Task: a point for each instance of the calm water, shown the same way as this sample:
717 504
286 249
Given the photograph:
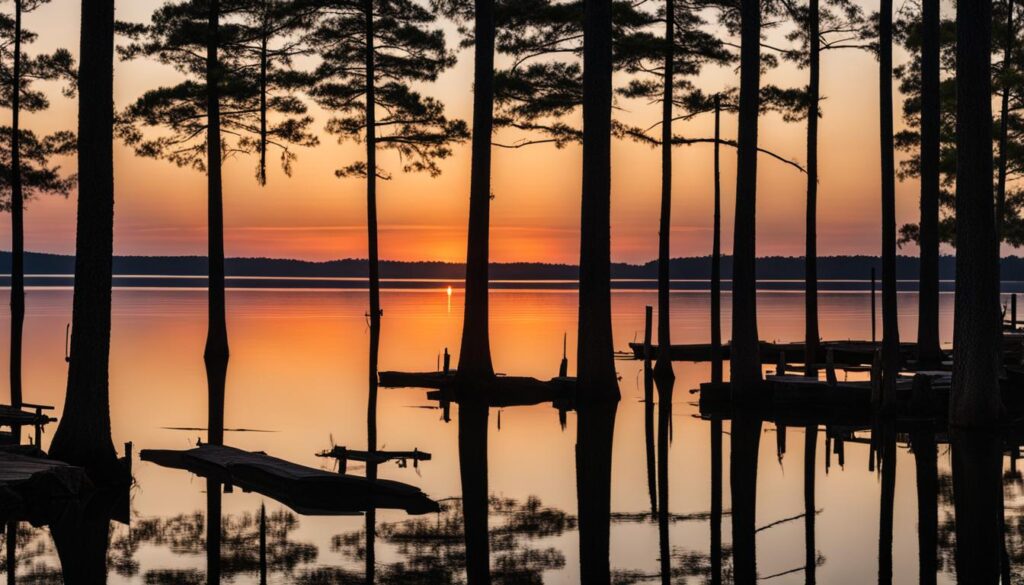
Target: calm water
297 384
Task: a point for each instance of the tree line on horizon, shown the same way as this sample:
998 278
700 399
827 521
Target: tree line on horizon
250 69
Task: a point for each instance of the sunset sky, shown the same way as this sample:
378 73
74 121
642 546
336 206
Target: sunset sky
161 209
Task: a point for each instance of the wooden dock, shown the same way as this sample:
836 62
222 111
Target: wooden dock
27 415
344 455
30 484
306 490
502 392
849 352
799 400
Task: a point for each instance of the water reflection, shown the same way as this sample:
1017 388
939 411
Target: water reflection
670 512
743 458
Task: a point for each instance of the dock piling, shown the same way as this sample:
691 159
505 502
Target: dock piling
830 367
447 361
1013 311
874 325
648 320
563 368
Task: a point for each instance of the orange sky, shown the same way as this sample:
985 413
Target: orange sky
160 209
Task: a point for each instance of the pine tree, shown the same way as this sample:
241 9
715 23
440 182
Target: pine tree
233 84
836 25
26 165
652 61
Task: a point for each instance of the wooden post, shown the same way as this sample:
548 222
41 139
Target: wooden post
874 319
876 378
563 368
1013 311
828 450
780 366
648 319
447 361
342 455
840 451
39 428
830 367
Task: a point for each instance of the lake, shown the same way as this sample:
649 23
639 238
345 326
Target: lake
296 385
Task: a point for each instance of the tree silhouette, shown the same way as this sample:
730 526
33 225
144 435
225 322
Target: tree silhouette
837 25
371 51
1009 77
745 358
1006 76
26 167
545 83
237 57
269 44
974 399
475 353
928 350
890 325
83 435
684 48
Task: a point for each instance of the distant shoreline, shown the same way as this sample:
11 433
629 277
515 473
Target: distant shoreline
836 273
768 268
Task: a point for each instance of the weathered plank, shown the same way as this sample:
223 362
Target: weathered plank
306 490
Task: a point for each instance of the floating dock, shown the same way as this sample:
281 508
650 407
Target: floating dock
27 415
30 484
304 489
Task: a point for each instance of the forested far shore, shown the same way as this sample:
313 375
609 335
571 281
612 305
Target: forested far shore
768 268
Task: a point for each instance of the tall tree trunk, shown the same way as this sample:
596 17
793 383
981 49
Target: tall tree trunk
475 355
17 221
746 441
890 325
974 398
83 436
473 430
810 509
664 366
925 461
1004 120
371 176
217 333
928 350
745 355
595 358
811 334
716 258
